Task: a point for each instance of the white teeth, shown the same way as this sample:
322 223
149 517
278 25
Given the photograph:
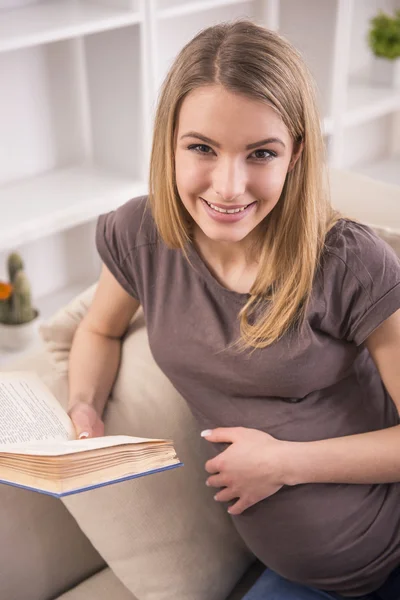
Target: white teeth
230 211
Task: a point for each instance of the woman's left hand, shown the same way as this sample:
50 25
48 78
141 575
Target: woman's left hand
250 469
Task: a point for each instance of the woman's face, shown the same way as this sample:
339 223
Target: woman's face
231 154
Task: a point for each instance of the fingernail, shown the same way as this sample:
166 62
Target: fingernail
83 435
206 432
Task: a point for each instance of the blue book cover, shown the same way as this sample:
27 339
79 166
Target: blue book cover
90 487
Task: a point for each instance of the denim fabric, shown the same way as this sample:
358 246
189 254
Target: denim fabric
271 586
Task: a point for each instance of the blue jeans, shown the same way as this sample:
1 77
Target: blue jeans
271 586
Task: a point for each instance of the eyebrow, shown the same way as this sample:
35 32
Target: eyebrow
271 140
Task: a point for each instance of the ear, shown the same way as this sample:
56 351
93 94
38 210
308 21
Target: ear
297 150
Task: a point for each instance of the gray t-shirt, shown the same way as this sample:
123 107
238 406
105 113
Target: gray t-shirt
317 385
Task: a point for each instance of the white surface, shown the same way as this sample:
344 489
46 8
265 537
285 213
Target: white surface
113 74
366 199
8 4
61 447
367 142
271 11
367 102
51 20
340 69
327 126
59 200
387 170
42 110
194 7
47 306
314 39
18 337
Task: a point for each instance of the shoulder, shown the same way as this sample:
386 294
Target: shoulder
359 275
128 227
355 247
123 237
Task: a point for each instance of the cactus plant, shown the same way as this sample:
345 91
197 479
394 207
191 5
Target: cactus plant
15 301
14 264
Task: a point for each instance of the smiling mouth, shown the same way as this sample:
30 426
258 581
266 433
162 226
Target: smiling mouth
229 211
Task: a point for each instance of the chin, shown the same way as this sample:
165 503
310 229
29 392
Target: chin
218 235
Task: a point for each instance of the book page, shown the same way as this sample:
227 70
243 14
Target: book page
29 411
58 448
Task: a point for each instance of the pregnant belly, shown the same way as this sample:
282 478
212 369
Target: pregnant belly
329 536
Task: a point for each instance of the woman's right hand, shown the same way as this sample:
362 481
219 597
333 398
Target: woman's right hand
86 420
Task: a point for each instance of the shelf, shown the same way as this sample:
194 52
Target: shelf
195 7
387 170
53 21
59 200
367 102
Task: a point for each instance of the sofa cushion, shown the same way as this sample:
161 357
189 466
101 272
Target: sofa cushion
373 202
58 331
105 585
102 586
166 524
391 236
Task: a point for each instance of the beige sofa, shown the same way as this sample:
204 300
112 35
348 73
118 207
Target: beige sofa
161 537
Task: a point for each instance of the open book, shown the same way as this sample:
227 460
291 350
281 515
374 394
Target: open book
38 449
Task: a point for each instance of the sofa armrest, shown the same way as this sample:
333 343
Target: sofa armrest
43 552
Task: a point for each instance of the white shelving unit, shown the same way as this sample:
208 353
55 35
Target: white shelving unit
80 79
54 21
75 118
68 197
366 123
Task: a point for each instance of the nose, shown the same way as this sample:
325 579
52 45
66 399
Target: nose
229 179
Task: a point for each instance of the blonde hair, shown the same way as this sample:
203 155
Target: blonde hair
248 59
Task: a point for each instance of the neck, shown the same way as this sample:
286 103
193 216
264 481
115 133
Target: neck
226 256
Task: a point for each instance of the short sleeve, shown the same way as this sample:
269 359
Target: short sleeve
117 238
361 282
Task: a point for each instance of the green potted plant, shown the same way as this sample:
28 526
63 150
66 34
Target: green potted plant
18 318
384 41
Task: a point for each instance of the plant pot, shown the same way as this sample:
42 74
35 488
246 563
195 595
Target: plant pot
19 337
385 72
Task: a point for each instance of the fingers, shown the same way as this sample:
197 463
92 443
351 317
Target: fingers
98 429
211 466
225 495
238 507
86 421
216 481
221 434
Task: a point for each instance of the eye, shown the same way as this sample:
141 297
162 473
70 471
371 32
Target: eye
265 155
200 148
